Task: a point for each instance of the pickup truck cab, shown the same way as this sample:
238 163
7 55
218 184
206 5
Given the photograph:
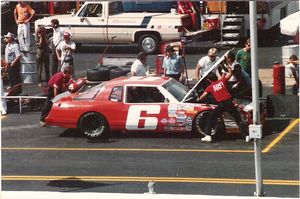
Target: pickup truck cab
106 22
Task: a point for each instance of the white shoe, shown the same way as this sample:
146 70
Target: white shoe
43 124
247 138
207 138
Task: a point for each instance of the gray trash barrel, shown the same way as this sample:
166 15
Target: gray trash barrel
28 68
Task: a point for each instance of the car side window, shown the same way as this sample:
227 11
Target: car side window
116 94
136 94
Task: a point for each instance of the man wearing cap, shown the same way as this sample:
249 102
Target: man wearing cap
138 66
12 58
57 84
65 51
58 36
173 64
205 63
23 13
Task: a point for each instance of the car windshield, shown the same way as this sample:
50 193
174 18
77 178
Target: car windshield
90 93
176 89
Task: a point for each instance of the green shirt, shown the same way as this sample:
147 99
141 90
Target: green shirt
244 58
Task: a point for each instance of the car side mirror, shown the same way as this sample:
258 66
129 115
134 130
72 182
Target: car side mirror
166 100
73 12
82 19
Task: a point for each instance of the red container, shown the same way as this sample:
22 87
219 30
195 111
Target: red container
213 23
159 63
76 85
278 79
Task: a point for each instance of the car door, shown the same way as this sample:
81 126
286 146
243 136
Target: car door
145 108
90 24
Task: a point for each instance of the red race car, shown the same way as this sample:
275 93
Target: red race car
155 104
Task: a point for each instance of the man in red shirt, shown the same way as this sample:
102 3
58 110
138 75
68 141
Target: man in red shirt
218 88
57 84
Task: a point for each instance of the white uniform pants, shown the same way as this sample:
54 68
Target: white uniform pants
3 106
24 36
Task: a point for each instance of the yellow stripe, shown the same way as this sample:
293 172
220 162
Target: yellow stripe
147 179
281 135
127 149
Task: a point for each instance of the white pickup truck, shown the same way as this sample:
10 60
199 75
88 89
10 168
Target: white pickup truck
106 21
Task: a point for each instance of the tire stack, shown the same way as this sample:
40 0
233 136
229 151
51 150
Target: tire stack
105 72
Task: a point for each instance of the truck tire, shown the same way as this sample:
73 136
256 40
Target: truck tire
98 74
148 43
116 72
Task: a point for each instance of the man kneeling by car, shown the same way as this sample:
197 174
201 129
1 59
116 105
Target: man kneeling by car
218 88
57 84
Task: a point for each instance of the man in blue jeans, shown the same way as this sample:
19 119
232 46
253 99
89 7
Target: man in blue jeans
218 88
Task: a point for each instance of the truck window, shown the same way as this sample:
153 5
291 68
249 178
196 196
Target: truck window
116 8
91 10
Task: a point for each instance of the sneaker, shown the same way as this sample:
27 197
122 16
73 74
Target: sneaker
42 124
247 138
3 112
207 138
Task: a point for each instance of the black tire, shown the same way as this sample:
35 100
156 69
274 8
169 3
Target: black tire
116 72
148 43
98 74
94 125
200 122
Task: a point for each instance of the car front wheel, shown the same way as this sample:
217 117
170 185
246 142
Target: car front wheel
94 125
201 121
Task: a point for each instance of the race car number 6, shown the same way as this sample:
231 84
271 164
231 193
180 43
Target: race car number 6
134 117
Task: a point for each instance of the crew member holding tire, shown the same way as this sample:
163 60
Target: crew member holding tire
57 84
138 66
218 88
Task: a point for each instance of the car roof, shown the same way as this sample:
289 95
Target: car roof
143 80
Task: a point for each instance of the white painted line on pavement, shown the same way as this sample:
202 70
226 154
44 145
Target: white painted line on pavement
89 195
15 128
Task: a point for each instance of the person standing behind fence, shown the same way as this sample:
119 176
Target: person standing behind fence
23 13
58 36
173 65
12 59
65 51
42 54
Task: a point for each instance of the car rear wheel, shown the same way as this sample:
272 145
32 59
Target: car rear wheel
94 125
148 43
201 121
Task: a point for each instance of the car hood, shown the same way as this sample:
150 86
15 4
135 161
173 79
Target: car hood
195 88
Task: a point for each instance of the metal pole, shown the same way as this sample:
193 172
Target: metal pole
255 96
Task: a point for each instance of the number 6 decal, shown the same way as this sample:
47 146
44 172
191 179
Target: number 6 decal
135 120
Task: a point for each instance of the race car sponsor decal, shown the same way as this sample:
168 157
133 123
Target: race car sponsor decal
172 110
189 119
136 119
171 120
164 120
